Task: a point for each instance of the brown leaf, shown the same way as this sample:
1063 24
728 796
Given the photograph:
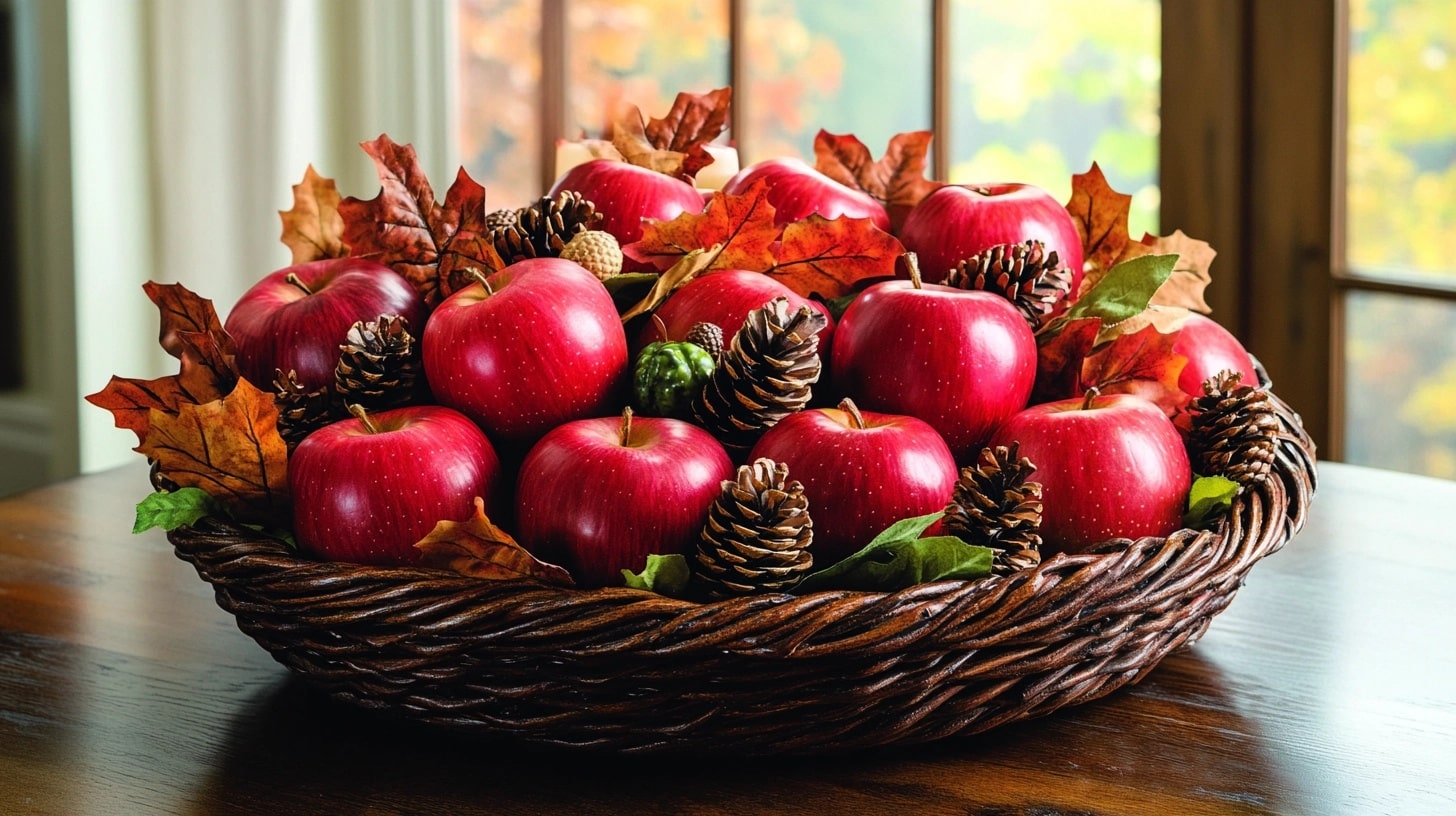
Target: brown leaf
897 179
828 257
693 122
1141 362
184 311
1185 287
629 137
1166 319
741 225
1100 214
229 448
403 227
478 549
691 265
313 229
1061 350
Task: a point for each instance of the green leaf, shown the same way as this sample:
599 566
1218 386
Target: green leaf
665 574
836 306
897 559
1125 291
1210 497
179 508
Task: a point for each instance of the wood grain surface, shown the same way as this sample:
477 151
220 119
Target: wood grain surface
1329 687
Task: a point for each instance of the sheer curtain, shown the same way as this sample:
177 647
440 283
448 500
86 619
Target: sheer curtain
191 119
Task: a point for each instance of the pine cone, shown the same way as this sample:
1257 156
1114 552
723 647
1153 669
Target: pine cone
757 536
379 364
764 375
300 411
542 229
994 506
1025 274
1234 430
498 219
597 251
709 336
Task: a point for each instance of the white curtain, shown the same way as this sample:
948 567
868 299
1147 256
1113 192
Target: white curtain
191 119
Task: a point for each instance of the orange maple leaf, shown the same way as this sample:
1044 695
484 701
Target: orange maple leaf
1100 214
403 227
897 179
1141 362
829 256
693 122
313 228
479 549
741 226
229 448
1061 351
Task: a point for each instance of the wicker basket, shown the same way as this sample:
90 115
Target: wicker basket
627 671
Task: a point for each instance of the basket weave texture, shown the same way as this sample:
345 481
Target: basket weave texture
620 670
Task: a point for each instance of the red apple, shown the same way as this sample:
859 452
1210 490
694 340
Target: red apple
725 299
959 220
599 495
1110 466
625 194
963 361
1210 349
798 191
541 346
366 489
295 318
861 471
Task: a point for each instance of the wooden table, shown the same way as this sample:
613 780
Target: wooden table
1327 688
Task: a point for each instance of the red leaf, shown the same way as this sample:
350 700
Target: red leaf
694 121
1060 355
828 257
1100 214
741 225
312 229
1141 362
184 311
479 549
897 180
404 228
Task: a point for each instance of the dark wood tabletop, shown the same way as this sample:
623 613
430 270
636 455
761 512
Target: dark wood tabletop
1328 687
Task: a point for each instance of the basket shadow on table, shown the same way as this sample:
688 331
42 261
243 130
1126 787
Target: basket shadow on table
1175 741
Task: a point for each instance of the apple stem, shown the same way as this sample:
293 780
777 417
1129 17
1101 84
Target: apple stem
480 279
626 433
1087 398
856 419
358 411
912 263
661 327
293 279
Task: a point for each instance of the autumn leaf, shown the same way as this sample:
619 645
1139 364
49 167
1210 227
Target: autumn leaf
1061 350
313 229
741 225
183 310
687 268
229 448
1185 287
434 247
478 549
1100 214
1166 319
693 122
896 180
629 137
1141 362
829 256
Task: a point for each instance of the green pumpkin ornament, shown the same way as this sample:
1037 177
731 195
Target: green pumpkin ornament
668 374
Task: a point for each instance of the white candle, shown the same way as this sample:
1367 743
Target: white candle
570 154
724 167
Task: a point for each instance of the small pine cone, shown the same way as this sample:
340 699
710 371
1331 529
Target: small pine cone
764 375
1025 274
597 251
1234 430
498 219
757 535
542 229
709 336
379 364
994 506
300 411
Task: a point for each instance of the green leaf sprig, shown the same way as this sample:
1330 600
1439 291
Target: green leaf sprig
665 574
899 558
1209 498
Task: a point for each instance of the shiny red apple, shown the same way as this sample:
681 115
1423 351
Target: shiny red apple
862 471
1110 466
797 191
625 194
959 220
537 344
963 361
599 495
295 318
366 489
1210 349
725 298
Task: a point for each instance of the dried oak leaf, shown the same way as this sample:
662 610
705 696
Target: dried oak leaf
435 247
182 311
693 122
1141 362
828 257
313 228
741 226
1100 214
1185 287
896 180
478 549
1061 351
229 448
